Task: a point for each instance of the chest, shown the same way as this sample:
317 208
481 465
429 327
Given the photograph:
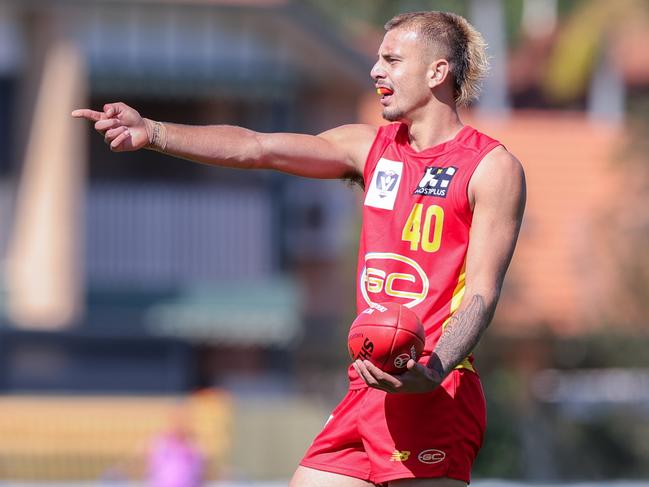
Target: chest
398 181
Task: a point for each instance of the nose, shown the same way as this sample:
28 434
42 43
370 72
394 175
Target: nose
377 71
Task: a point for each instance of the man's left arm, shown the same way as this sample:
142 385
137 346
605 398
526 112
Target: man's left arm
497 193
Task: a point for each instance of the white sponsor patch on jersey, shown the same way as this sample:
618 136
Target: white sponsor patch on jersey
384 186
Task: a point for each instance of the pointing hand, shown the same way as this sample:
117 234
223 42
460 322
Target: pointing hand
122 127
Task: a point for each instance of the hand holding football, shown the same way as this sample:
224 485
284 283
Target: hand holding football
388 335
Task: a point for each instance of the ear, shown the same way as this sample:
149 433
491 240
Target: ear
437 73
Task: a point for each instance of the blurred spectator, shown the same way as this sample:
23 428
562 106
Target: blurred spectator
174 459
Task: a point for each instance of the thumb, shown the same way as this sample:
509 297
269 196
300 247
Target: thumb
111 109
415 367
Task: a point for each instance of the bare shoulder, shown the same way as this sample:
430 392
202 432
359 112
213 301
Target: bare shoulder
354 139
499 175
499 163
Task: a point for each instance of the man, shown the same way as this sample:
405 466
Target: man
442 211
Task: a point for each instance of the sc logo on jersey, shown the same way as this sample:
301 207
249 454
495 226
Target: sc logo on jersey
436 181
409 283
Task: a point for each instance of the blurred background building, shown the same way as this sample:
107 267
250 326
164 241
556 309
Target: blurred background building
130 282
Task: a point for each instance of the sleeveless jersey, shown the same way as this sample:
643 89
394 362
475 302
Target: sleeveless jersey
416 223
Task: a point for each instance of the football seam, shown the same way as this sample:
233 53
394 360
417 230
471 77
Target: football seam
413 334
394 337
379 324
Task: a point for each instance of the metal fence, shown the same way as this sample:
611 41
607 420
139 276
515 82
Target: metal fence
170 234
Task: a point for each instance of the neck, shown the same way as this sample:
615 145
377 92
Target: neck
434 127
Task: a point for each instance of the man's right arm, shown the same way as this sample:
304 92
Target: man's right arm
336 153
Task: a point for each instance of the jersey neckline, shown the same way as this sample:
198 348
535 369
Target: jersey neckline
436 150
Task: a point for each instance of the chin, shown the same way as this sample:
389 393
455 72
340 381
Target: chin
392 115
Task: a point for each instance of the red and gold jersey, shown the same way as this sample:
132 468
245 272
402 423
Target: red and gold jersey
416 223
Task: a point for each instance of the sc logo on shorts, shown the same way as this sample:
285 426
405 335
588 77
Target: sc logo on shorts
431 456
409 283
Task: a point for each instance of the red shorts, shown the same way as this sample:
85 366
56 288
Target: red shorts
380 437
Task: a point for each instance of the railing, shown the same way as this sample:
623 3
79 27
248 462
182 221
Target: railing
171 234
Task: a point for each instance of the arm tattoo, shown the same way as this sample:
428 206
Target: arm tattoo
158 137
460 335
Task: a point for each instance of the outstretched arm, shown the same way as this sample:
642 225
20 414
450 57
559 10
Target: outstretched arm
497 190
337 153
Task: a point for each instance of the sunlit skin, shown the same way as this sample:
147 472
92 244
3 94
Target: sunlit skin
416 88
415 84
422 87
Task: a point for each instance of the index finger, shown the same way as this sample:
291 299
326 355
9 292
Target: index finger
365 374
87 114
381 375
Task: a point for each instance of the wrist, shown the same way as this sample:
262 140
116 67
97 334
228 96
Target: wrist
435 364
157 135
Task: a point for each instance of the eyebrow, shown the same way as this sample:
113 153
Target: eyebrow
388 54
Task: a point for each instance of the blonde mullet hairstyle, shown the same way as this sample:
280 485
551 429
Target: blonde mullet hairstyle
462 45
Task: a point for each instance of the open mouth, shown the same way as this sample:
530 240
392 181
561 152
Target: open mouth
385 93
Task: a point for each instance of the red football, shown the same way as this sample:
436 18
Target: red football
388 335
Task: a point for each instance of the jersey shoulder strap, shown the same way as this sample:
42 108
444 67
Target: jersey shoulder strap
384 137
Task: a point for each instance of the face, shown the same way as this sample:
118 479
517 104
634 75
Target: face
403 68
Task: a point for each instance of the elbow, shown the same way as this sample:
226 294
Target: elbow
491 302
258 154
253 157
242 149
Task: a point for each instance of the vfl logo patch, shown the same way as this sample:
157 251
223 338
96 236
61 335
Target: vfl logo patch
383 189
385 182
436 181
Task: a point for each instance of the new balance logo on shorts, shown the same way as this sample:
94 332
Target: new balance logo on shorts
400 456
436 181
